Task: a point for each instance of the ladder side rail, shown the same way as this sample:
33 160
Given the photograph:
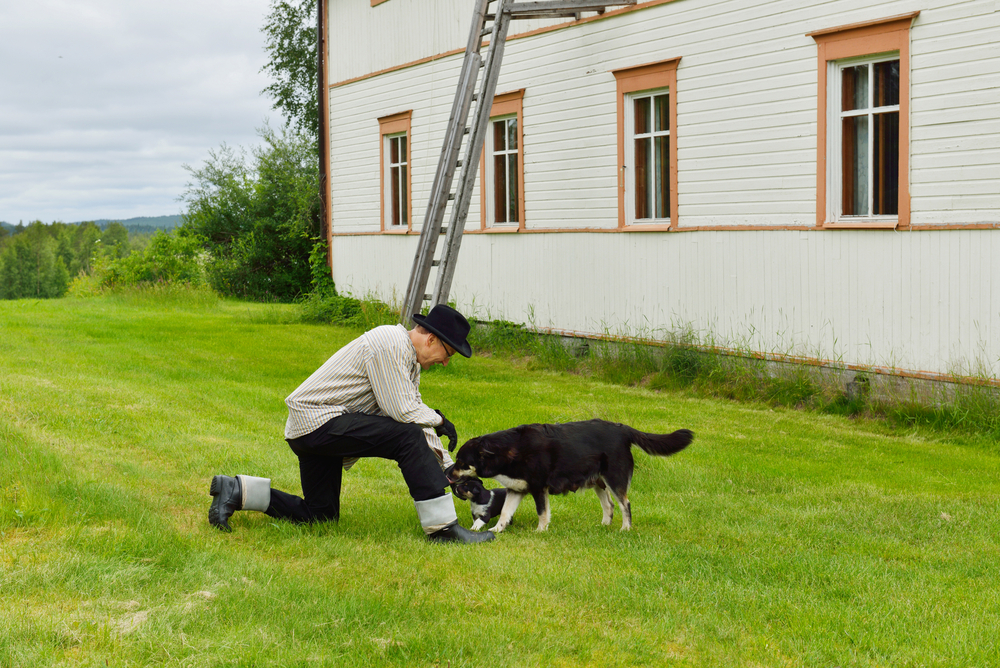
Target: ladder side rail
470 165
444 174
440 190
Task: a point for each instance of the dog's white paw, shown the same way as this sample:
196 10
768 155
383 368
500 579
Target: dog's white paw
478 525
500 526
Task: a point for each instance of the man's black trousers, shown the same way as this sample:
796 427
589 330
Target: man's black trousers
321 460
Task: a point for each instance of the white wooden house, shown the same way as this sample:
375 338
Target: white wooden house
814 178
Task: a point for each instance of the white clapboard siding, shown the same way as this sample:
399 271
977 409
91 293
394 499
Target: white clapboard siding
955 114
746 141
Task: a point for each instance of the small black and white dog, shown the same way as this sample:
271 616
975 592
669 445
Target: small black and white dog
485 503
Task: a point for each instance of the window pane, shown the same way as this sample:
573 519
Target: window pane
500 188
499 135
662 177
885 182
402 148
512 134
512 182
394 203
662 116
642 115
887 83
393 150
402 196
643 185
855 173
855 88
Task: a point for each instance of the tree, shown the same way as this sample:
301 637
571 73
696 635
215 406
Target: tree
31 266
290 29
114 238
259 215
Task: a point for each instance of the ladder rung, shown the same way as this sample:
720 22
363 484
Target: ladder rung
458 163
435 263
466 130
485 32
428 296
451 197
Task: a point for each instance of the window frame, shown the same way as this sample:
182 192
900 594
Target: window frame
631 139
837 115
631 83
390 127
507 105
882 39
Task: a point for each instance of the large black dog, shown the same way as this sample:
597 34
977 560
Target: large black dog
543 459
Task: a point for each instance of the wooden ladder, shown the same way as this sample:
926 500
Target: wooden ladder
483 71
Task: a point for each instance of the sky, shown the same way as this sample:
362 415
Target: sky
103 102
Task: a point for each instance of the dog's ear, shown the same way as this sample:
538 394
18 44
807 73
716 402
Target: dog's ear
511 453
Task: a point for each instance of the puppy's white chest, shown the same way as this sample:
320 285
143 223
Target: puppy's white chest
512 483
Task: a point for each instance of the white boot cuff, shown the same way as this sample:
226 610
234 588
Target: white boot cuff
256 492
436 514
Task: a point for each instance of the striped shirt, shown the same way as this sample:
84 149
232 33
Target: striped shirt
376 374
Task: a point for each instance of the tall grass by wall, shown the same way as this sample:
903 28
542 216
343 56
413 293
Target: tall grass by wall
688 361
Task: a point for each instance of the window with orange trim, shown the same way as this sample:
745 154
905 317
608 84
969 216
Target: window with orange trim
394 133
647 146
502 165
863 124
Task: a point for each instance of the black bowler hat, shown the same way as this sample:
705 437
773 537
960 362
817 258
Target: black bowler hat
449 325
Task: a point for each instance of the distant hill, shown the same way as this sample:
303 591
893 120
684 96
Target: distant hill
140 224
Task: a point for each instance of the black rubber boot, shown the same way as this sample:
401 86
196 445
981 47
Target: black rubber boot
228 498
455 533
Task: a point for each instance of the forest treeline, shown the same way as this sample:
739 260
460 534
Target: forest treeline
39 260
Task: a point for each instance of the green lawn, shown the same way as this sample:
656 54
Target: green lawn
778 538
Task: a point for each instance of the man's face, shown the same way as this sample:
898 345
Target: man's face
435 351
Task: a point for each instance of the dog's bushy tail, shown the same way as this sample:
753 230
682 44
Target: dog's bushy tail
662 444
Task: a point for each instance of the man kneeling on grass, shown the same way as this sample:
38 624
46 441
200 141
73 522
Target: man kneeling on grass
365 402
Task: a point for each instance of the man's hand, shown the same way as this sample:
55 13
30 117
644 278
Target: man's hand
446 428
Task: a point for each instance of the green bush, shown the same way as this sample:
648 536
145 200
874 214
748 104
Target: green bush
259 217
328 307
167 258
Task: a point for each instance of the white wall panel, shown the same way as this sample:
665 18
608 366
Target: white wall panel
918 301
